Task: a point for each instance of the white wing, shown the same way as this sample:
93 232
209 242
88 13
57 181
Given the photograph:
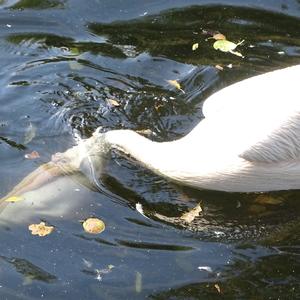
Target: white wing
259 117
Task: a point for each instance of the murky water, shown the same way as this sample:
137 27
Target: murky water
61 64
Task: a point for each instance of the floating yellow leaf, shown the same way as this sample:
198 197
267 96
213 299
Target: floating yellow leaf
40 229
113 102
217 287
93 225
14 199
192 214
227 46
219 36
176 84
195 46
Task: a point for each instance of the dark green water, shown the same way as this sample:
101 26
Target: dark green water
60 62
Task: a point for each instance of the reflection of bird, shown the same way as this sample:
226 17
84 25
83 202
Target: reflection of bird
248 141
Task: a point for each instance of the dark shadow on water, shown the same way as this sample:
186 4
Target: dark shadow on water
172 34
28 270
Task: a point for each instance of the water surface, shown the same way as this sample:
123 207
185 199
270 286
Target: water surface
61 62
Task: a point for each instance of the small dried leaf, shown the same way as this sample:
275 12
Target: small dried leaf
192 214
176 85
40 229
217 287
219 67
219 36
157 106
14 199
195 46
113 102
93 225
32 155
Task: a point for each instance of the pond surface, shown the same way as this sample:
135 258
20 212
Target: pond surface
62 62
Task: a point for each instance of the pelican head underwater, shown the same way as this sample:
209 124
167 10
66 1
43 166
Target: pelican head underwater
248 141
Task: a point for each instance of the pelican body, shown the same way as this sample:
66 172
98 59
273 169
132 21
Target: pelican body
248 141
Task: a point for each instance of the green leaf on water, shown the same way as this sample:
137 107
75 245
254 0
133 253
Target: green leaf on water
227 46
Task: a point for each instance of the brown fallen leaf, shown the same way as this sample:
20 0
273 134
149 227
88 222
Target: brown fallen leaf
93 225
40 229
192 214
32 155
113 102
176 84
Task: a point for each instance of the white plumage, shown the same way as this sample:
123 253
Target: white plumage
249 140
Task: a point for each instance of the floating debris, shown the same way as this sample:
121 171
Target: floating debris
40 229
113 102
192 214
32 155
176 84
195 46
93 225
227 46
